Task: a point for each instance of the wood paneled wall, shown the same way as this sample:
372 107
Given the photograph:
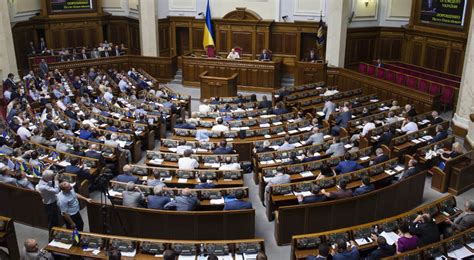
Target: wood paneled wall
430 50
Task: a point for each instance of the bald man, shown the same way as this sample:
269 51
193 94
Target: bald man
32 251
68 204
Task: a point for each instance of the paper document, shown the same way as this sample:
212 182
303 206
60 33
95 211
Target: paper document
319 113
114 193
277 123
391 237
399 168
281 133
294 131
363 241
460 253
265 125
156 161
249 256
64 164
306 174
217 201
129 254
60 245
267 136
365 158
187 257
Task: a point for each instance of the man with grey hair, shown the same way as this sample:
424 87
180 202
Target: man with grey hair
127 175
31 251
380 157
157 201
156 181
132 196
316 137
48 188
183 202
466 219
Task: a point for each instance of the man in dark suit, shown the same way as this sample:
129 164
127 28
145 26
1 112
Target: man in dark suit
411 170
50 124
383 249
365 187
279 110
141 83
127 176
410 110
311 57
265 103
436 119
204 183
93 153
158 200
386 137
266 55
183 124
347 165
42 45
238 203
74 168
315 197
10 83
341 121
425 229
183 202
441 134
341 193
381 157
223 148
323 253
83 55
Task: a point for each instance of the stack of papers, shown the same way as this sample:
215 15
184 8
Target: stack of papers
399 168
244 128
427 137
114 193
249 257
267 136
281 133
229 139
306 174
390 172
319 113
307 128
391 237
212 165
365 158
64 164
217 201
277 123
374 100
416 141
129 254
327 136
348 146
267 162
60 245
303 193
294 131
265 125
235 128
156 161
460 253
181 180
172 149
363 241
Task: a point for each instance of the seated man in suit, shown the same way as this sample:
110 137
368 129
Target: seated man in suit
341 193
386 137
158 200
336 148
347 165
286 144
342 253
410 110
411 170
223 148
435 118
310 156
342 120
383 248
204 183
441 134
238 203
280 109
323 253
465 220
233 55
180 123
315 196
311 57
183 202
266 55
380 157
132 196
85 132
76 169
315 138
279 178
127 175
94 153
425 229
141 83
265 103
365 187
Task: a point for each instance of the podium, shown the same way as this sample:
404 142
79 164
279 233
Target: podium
212 86
309 72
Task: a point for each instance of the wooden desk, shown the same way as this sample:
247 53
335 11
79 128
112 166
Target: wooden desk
310 72
8 238
213 86
253 75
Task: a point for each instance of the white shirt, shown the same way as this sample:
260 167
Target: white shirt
204 108
108 96
181 148
233 55
367 127
221 128
410 127
187 163
230 167
24 133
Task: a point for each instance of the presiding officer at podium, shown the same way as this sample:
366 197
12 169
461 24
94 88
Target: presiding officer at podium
312 57
233 55
266 55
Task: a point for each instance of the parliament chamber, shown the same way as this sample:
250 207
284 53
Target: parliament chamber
222 129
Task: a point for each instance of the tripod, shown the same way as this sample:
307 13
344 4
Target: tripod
104 210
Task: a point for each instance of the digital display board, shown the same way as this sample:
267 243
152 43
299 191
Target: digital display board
58 6
443 12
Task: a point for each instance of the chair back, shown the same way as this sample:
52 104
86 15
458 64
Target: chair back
210 52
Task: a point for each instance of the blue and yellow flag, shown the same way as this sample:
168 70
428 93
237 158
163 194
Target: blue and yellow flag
321 37
75 235
23 167
208 38
37 171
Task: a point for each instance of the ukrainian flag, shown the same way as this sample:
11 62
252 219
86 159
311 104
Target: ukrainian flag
208 38
75 235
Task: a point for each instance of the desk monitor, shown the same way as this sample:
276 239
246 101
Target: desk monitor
232 175
210 194
433 252
248 248
308 243
363 233
454 244
184 249
217 249
92 242
152 248
332 238
390 226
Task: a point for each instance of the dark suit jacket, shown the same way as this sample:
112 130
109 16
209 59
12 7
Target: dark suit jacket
237 204
343 119
313 198
386 138
280 111
380 159
185 126
436 120
363 189
381 252
81 173
341 194
205 186
265 104
223 150
409 172
127 178
267 56
157 202
412 112
439 136
96 155
427 233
